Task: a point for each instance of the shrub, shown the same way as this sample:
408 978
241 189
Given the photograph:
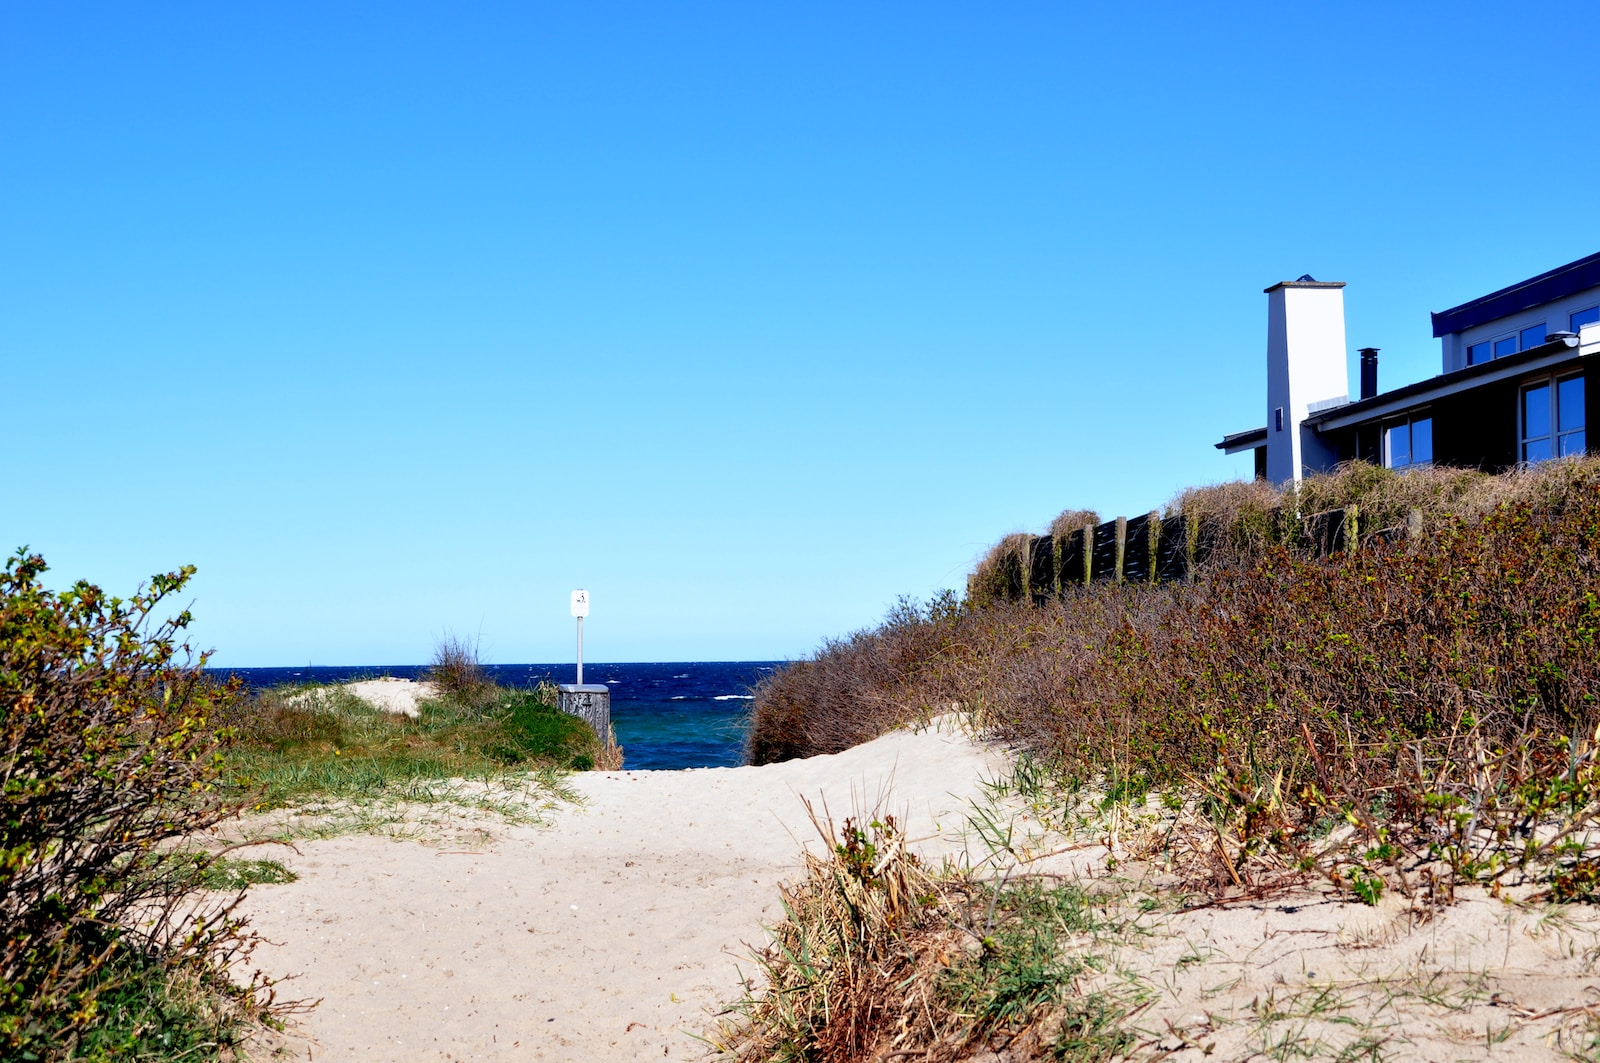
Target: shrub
457 671
1437 694
850 692
1002 574
109 757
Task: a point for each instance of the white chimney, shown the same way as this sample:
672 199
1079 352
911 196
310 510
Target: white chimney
1306 372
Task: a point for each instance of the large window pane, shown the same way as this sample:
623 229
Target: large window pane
1533 335
1536 450
1536 412
1478 352
1505 346
1572 443
1569 404
1584 317
1397 444
1421 440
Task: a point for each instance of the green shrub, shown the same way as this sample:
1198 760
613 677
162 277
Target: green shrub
109 754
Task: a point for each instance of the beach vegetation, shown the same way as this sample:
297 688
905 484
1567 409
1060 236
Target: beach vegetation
1414 713
301 744
112 754
879 956
457 671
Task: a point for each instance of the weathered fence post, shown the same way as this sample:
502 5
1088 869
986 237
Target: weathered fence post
1058 559
1153 541
1352 528
1414 524
1122 545
1088 554
1191 544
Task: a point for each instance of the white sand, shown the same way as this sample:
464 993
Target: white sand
613 935
619 931
387 693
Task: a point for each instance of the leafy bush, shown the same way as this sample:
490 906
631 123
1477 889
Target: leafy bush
109 756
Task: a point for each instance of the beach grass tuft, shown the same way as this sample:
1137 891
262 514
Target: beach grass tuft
879 956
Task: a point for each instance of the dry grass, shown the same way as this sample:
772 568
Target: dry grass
1002 574
879 957
1071 520
1410 715
457 671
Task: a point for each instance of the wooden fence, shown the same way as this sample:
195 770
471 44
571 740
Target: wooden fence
1152 549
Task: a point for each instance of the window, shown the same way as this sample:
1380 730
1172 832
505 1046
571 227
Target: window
1553 419
1584 317
1529 337
1409 442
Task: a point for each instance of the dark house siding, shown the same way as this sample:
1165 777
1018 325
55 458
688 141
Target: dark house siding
1473 429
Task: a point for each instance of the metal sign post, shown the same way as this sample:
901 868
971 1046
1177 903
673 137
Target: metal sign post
580 609
591 701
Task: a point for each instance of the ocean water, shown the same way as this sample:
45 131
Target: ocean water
667 716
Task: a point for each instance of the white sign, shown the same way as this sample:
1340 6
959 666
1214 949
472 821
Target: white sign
580 603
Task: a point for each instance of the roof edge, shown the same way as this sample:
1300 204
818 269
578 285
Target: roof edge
1547 287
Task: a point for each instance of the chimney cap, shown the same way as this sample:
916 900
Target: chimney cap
1368 350
1303 283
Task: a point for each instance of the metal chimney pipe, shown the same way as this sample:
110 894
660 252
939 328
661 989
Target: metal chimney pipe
1369 372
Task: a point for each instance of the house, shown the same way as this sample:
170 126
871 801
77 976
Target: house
1519 381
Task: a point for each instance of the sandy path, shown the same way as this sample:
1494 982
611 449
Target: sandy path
613 934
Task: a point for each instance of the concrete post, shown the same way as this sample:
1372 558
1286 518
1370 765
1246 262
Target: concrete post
592 702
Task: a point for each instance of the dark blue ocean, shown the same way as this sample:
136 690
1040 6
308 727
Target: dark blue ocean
688 715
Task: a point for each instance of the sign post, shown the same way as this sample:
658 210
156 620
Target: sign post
580 609
591 701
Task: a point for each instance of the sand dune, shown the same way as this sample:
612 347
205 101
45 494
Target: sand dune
615 933
619 930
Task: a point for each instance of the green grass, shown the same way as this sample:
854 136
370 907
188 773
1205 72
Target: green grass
296 745
1028 964
145 1012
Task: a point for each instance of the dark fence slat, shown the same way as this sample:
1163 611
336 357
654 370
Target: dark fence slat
1042 569
1136 550
1072 559
1172 549
1105 550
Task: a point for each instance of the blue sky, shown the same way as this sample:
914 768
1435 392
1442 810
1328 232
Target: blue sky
405 319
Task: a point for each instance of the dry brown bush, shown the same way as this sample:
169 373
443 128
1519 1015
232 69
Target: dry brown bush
1071 520
457 670
1456 673
1002 573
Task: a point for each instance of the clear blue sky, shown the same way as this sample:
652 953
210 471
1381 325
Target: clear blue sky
399 319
